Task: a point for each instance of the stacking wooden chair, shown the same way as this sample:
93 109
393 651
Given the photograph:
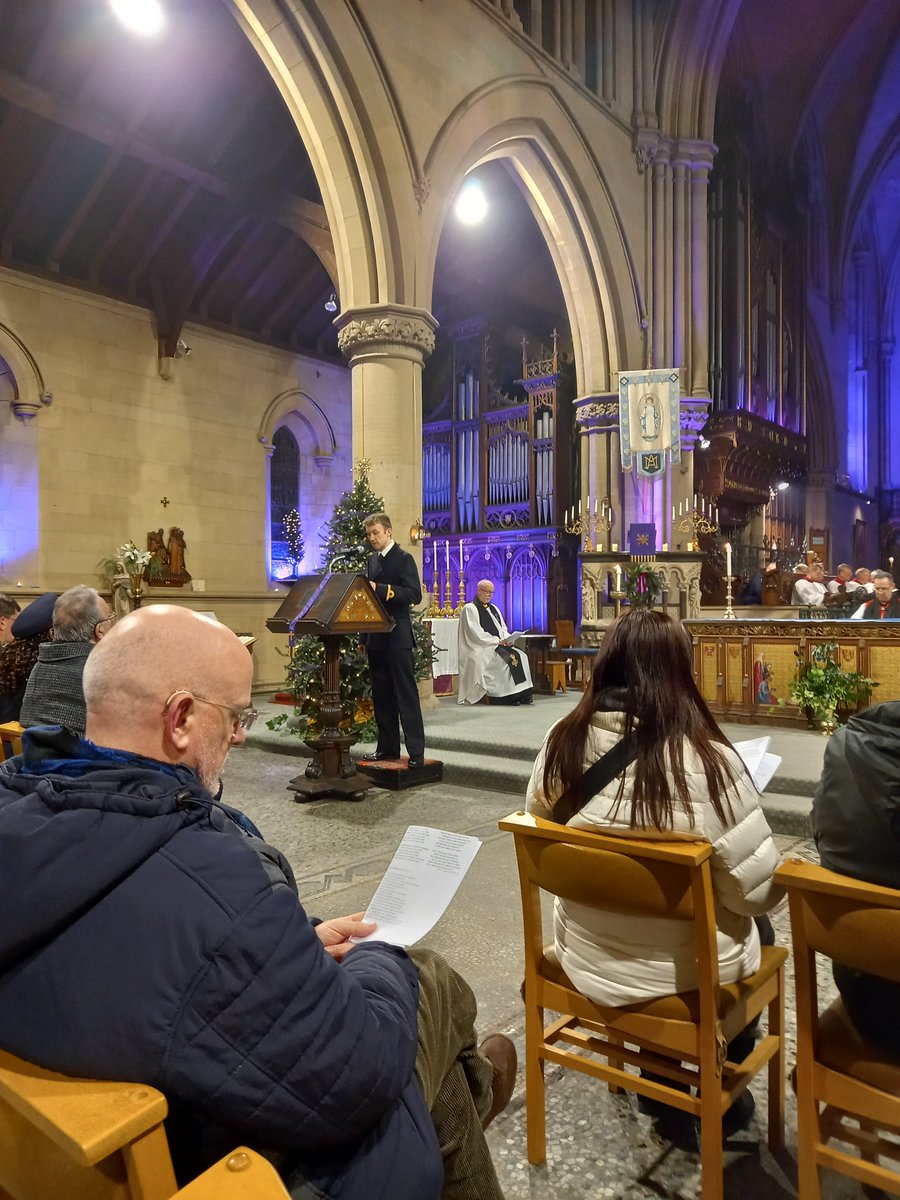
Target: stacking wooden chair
11 739
841 1078
653 879
241 1175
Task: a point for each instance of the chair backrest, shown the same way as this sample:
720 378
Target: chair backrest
11 739
643 876
80 1139
565 634
852 922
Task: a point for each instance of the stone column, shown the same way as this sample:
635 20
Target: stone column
386 345
700 169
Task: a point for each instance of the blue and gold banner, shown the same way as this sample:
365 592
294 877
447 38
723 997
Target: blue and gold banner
649 420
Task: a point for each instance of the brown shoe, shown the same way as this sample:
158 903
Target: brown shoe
500 1051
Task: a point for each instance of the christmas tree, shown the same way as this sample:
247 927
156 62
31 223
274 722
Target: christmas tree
345 530
293 536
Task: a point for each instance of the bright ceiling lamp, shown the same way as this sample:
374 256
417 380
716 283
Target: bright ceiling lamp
471 203
145 17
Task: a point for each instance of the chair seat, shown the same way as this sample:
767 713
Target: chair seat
680 1006
842 1048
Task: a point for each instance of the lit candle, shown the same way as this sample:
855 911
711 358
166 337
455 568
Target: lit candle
447 555
460 556
728 558
618 577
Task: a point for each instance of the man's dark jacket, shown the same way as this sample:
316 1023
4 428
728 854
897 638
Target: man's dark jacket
856 824
147 937
397 586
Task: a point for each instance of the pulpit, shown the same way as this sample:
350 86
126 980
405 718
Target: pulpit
331 607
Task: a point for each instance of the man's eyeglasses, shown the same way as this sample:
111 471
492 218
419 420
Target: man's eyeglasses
242 718
106 623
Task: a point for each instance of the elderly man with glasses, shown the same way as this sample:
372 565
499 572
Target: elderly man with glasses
54 694
149 933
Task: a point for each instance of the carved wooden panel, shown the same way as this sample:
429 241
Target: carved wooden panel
734 673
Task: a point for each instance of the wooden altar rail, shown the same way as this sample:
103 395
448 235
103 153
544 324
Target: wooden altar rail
744 667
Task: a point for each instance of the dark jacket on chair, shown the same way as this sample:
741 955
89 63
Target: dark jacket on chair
147 936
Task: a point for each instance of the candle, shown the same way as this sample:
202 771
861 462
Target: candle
728 558
460 556
595 506
615 547
618 578
665 547
679 507
447 555
673 512
579 508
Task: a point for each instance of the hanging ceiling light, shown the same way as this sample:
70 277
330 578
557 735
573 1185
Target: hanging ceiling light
471 203
145 17
331 303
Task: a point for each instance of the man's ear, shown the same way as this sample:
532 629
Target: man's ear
178 721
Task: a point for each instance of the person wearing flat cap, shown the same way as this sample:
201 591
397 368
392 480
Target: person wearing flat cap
30 630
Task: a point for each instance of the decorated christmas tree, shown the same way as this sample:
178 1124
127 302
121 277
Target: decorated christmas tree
346 530
293 536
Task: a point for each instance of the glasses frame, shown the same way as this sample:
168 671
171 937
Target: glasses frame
242 718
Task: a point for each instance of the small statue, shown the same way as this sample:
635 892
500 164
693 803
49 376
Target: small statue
157 546
175 550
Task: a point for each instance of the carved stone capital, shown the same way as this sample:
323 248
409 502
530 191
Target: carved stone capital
27 410
387 331
595 414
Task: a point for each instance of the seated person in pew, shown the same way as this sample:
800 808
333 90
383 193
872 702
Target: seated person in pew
810 591
54 694
856 823
641 755
150 934
30 630
884 605
489 665
9 610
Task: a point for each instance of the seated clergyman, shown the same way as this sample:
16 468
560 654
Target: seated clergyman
489 665
810 591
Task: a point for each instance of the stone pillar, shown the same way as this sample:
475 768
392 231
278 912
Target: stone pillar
700 168
386 345
889 469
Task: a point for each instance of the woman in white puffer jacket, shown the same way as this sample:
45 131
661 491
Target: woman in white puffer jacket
685 780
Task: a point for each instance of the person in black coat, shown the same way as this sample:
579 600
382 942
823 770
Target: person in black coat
884 605
394 577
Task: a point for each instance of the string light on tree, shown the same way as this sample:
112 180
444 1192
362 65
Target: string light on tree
293 536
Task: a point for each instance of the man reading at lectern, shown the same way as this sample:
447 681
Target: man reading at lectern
488 664
394 578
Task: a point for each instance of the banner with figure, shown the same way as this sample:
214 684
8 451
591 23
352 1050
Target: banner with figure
649 420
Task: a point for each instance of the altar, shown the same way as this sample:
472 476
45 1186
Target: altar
744 668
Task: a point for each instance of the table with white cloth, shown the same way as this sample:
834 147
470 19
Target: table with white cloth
445 638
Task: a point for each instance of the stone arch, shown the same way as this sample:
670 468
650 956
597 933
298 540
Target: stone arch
691 56
336 89
27 391
306 420
563 181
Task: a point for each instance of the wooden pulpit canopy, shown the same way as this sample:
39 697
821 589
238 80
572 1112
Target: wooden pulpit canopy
336 603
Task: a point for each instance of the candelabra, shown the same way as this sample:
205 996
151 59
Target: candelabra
695 522
589 525
730 614
462 593
435 608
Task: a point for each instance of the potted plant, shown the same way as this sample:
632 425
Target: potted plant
821 687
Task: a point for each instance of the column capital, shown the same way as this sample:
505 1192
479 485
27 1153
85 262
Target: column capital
694 153
596 413
386 331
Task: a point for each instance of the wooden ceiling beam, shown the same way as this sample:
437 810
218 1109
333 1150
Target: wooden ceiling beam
165 228
301 216
288 299
126 216
273 263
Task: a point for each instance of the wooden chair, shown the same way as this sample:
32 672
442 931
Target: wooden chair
653 879
63 1138
564 637
840 1076
11 738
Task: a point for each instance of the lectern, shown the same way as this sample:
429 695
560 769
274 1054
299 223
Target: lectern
330 607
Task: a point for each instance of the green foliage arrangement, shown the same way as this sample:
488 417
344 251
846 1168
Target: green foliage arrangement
306 655
821 687
642 584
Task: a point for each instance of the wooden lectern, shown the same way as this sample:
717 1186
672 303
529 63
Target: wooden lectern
331 607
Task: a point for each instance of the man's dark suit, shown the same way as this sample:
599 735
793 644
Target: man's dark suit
394 690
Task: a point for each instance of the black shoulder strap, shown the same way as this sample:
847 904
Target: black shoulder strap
595 779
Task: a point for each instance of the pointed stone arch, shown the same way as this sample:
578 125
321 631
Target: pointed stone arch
565 186
306 420
28 393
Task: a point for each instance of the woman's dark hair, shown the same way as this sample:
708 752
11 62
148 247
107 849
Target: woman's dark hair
17 660
643 668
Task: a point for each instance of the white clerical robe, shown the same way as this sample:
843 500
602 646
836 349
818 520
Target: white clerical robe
481 670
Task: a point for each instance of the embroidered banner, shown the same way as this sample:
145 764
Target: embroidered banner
649 421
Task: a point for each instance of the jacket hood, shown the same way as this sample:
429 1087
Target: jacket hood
870 742
78 833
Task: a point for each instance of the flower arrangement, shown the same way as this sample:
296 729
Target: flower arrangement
129 560
821 687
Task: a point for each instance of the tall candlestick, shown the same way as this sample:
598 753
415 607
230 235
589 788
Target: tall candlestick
447 555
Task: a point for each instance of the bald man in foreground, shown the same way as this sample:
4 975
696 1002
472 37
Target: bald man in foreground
150 934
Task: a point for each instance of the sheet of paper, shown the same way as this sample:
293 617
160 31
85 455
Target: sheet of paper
420 882
514 637
759 762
